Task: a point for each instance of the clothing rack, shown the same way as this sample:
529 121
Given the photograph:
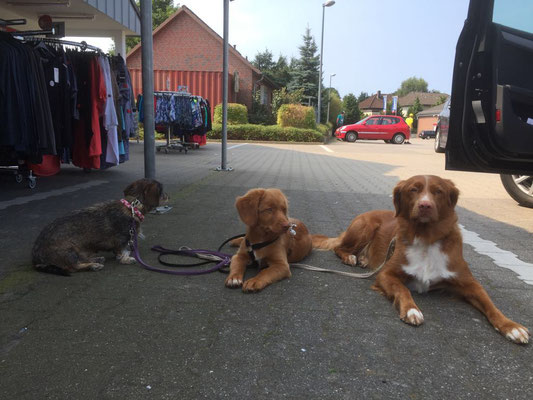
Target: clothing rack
175 144
34 33
83 45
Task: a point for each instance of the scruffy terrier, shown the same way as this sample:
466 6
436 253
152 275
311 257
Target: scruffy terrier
70 243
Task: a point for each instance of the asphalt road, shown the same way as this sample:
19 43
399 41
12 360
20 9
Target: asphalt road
125 332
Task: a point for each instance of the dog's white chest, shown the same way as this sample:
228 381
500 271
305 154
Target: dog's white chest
427 264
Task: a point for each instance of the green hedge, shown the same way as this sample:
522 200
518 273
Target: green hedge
296 116
266 133
237 114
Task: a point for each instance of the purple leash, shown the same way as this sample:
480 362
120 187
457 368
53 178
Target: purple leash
223 260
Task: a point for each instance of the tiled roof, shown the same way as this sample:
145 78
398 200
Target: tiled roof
373 102
426 99
431 111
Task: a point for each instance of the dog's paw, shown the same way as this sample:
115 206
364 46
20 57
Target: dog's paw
253 285
127 260
233 282
515 333
350 260
96 266
413 317
98 260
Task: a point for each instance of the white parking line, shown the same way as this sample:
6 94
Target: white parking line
44 195
237 145
502 258
327 148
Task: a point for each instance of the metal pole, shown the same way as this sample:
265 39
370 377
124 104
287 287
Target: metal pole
148 88
223 166
320 71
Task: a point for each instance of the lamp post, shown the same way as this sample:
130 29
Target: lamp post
329 95
328 3
223 161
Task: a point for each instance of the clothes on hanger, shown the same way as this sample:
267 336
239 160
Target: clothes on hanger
71 103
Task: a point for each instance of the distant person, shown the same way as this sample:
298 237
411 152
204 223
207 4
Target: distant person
409 121
340 121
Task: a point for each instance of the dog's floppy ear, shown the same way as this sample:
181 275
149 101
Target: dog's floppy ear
134 189
147 191
248 205
397 197
453 193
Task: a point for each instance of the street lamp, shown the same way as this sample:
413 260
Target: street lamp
329 95
328 3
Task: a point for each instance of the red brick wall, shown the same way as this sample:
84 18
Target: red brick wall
185 45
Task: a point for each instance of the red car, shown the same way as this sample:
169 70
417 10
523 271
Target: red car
390 128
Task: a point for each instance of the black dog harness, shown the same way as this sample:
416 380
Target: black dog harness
253 247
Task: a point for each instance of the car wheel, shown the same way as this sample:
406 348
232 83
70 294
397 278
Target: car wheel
398 138
520 188
351 137
437 146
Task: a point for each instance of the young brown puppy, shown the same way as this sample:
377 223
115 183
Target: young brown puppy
428 251
69 243
272 238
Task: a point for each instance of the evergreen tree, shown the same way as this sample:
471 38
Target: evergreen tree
362 96
305 73
161 10
350 106
263 61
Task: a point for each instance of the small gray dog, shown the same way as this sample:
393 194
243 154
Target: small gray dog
69 243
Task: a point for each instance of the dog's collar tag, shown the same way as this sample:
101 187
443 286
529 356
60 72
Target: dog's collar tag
134 210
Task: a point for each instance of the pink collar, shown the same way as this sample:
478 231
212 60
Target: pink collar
134 210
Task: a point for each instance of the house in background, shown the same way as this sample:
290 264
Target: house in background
427 119
374 104
187 52
426 99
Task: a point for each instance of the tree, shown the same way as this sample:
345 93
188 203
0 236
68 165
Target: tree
161 10
278 72
412 84
362 96
414 109
442 99
335 107
281 73
350 106
263 61
305 73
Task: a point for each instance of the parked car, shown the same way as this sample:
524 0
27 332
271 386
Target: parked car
441 130
390 128
491 109
426 134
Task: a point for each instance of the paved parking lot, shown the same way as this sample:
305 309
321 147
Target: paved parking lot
125 332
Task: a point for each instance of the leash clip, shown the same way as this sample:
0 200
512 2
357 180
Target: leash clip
292 232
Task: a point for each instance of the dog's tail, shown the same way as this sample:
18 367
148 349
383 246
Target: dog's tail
51 269
321 242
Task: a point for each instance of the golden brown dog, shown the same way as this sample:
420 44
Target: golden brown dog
428 253
272 238
70 243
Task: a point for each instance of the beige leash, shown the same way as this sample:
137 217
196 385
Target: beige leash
363 275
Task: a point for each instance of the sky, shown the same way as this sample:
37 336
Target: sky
369 45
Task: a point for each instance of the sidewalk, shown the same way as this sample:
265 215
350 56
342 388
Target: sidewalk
128 333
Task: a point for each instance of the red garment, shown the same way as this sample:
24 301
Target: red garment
83 156
200 139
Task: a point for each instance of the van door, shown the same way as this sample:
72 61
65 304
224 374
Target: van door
491 113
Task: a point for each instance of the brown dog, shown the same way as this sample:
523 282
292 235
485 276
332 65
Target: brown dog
272 238
69 243
428 253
